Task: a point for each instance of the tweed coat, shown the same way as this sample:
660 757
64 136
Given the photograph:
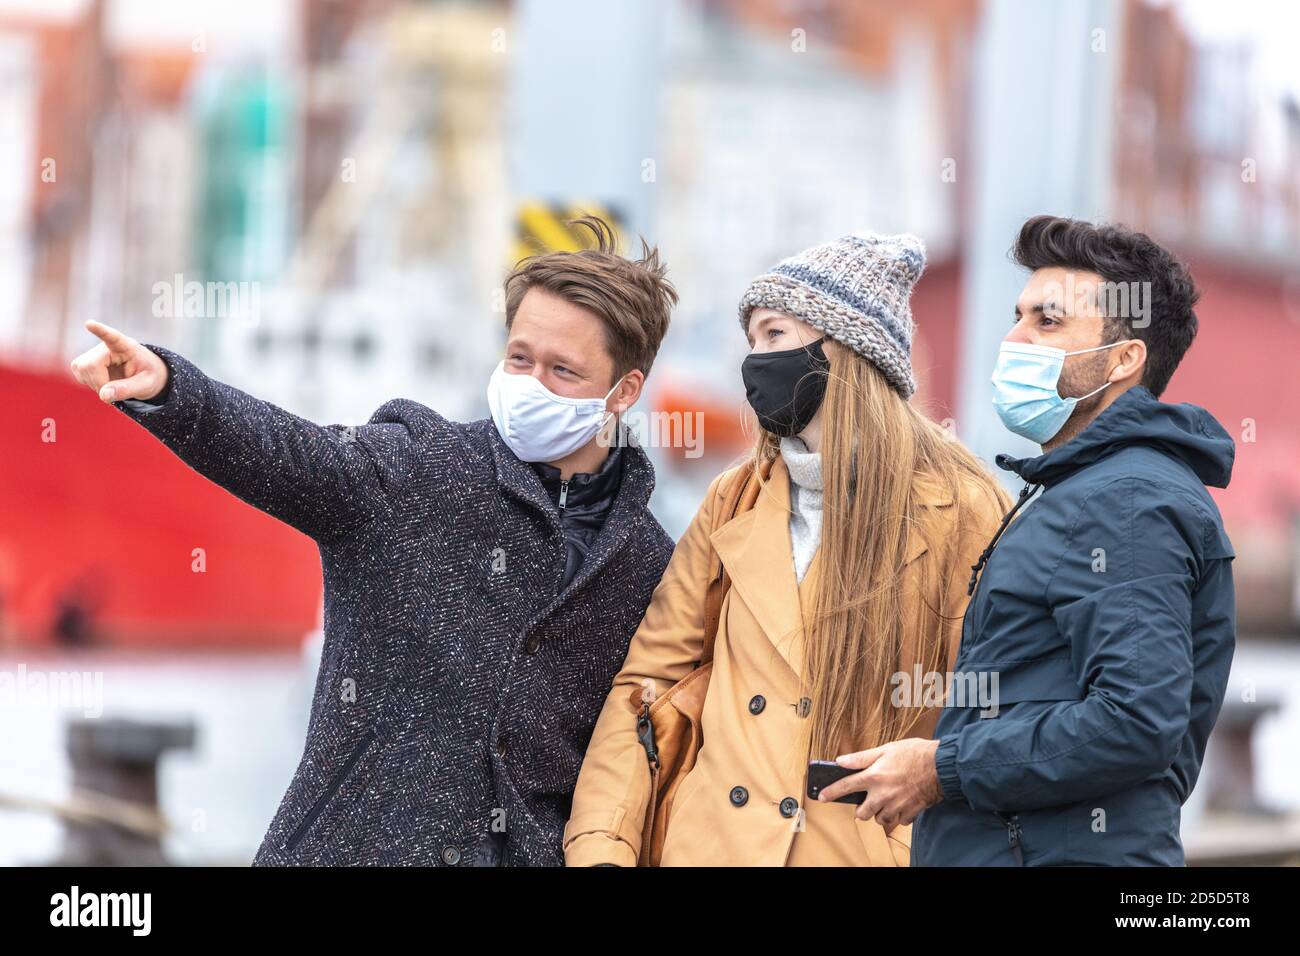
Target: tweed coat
459 683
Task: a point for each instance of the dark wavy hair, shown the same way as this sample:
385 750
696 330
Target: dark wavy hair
1120 255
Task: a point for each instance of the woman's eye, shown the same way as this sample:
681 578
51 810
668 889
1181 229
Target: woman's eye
773 333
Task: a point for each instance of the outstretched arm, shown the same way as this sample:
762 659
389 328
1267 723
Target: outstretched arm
322 480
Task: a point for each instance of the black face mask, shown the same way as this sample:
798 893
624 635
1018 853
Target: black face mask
786 388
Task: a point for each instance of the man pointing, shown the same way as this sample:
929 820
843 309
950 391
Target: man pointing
482 580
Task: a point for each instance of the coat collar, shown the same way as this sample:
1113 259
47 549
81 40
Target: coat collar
1184 432
517 479
756 549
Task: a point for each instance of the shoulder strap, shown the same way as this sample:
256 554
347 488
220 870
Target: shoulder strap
740 497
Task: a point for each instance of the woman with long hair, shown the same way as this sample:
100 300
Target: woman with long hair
847 584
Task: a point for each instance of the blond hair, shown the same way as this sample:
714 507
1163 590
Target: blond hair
874 446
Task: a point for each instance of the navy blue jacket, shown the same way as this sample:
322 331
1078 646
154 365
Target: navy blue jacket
463 669
1106 614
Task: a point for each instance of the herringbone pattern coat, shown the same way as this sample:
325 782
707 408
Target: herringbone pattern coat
458 686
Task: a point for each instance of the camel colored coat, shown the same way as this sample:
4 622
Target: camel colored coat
741 804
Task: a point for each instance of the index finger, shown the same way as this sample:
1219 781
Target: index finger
861 759
853 783
108 335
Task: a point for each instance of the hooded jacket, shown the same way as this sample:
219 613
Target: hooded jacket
1103 624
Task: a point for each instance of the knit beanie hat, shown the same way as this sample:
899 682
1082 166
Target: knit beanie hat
857 291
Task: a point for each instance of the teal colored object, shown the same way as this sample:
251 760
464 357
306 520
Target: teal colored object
1024 389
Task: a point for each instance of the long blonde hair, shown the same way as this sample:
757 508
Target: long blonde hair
874 445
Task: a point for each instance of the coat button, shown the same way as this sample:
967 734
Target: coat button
789 807
756 704
450 855
739 796
534 642
804 707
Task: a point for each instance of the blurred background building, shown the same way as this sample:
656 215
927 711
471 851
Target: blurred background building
318 200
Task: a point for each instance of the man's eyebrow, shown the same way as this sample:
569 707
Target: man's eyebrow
571 362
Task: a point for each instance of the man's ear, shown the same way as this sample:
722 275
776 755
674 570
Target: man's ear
1132 360
628 391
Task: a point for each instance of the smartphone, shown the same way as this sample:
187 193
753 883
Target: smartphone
823 773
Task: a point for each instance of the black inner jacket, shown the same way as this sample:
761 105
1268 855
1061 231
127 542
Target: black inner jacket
586 505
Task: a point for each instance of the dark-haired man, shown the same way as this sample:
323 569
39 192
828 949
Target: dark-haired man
482 579
1105 610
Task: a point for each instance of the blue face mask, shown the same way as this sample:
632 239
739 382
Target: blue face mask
1024 389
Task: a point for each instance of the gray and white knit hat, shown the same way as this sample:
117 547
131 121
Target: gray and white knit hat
857 291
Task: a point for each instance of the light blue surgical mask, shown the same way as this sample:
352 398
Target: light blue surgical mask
1024 389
